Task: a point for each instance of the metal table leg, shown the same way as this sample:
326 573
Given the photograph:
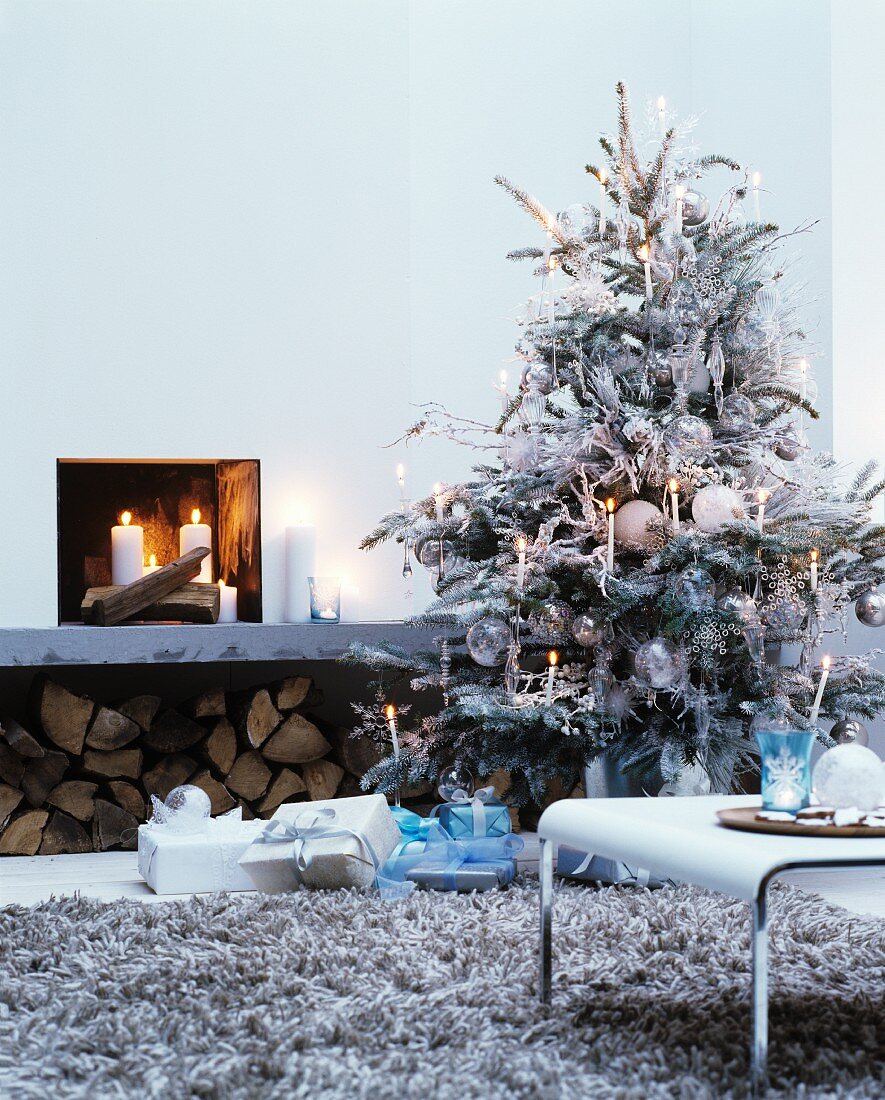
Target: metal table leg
759 1050
546 919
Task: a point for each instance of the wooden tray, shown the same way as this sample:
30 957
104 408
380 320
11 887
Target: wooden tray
744 817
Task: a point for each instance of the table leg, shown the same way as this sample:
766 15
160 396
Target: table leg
759 1051
546 919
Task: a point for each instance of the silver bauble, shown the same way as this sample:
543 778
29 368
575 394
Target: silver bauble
552 623
850 732
737 602
788 448
454 779
659 366
541 372
695 587
785 616
429 555
738 412
488 641
638 523
588 630
714 506
658 663
688 437
870 608
695 208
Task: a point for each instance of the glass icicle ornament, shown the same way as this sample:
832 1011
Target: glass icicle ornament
407 565
512 673
716 367
680 359
601 681
754 636
445 667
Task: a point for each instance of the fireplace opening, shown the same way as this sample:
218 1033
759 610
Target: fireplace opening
160 496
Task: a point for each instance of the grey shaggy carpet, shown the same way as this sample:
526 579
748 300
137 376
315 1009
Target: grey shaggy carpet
339 994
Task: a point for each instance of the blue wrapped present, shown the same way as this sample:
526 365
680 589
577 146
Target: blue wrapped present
438 861
587 867
480 816
463 875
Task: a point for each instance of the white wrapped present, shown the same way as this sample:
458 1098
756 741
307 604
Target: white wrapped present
338 842
197 862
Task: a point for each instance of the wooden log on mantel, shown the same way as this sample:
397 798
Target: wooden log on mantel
191 603
130 599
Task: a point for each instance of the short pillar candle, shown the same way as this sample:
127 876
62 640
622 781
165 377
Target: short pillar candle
227 611
193 535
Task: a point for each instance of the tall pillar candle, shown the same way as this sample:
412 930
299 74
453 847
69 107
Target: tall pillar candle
193 535
350 602
301 561
127 551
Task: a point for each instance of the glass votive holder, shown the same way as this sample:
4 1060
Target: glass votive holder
325 599
786 768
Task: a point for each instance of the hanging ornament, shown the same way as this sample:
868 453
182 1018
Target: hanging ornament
849 731
512 672
849 776
716 367
695 587
738 413
707 638
455 780
488 641
552 623
658 663
407 565
436 553
638 523
659 369
704 276
754 636
788 448
519 448
695 208
540 372
601 681
870 608
714 506
737 602
588 630
445 668
688 437
533 404
785 615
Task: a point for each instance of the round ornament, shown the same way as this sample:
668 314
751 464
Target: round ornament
688 436
661 372
870 608
575 219
849 775
714 506
785 616
737 602
695 587
552 623
588 630
454 780
788 448
695 208
429 555
850 732
488 641
738 412
540 372
187 809
638 523
658 663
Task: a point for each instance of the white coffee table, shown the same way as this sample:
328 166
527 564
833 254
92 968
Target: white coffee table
680 838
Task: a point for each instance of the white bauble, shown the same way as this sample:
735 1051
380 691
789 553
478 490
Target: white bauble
849 775
714 506
638 523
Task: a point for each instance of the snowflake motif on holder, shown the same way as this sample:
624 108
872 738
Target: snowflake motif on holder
785 773
705 278
707 639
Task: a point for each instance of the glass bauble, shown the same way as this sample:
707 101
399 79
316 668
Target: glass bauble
187 809
488 641
738 412
788 448
577 218
695 587
540 372
737 602
455 780
870 608
688 436
429 555
714 506
849 775
638 523
785 616
658 663
849 731
659 367
695 208
552 623
588 630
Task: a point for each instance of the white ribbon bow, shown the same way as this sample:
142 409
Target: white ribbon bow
477 805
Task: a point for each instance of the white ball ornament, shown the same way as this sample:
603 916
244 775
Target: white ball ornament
638 523
849 775
714 506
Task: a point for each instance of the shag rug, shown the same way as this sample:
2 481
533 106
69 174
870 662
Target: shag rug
341 994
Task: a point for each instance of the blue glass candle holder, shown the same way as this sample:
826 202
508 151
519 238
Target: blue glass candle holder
786 768
325 599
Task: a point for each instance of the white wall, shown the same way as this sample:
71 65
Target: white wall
283 213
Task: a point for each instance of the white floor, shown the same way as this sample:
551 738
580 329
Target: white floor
28 880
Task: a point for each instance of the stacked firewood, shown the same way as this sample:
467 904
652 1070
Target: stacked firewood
80 776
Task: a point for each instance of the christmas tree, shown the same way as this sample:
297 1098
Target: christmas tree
647 532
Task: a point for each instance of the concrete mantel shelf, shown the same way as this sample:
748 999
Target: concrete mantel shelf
73 644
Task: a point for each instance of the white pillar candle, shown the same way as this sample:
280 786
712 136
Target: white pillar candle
673 486
401 481
815 554
390 714
762 496
603 178
552 658
193 535
301 561
757 179
350 602
610 508
643 254
227 612
151 566
521 545
502 390
825 672
438 502
679 191
127 551
662 115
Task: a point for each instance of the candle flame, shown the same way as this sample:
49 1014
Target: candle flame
815 554
757 179
390 712
195 515
221 583
673 485
662 103
602 176
551 264
763 496
126 518
521 544
825 662
610 505
642 253
679 191
552 658
152 561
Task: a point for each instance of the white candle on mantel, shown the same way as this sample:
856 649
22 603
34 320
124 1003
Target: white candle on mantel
814 555
521 545
227 612
643 254
679 192
825 663
301 563
151 566
438 502
552 659
350 602
673 486
610 508
762 497
603 179
193 535
127 551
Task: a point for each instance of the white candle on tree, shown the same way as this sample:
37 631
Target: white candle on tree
521 545
390 714
673 486
227 612
762 497
438 502
662 115
644 258
401 481
679 192
552 661
603 179
757 179
502 390
814 555
193 535
127 551
825 663
610 508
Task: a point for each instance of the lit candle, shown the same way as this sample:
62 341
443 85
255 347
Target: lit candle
673 486
401 481
502 390
762 496
552 658
643 255
127 551
679 191
193 535
803 379
602 177
521 545
438 501
390 714
815 554
151 566
825 663
662 115
227 612
610 508
757 179
301 561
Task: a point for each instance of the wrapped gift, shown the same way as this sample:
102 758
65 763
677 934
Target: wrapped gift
463 876
443 863
586 867
202 861
481 815
339 842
